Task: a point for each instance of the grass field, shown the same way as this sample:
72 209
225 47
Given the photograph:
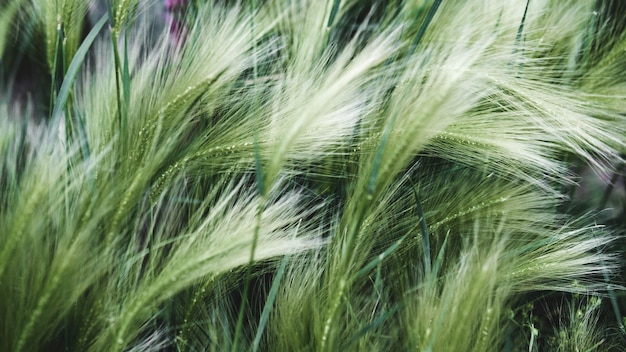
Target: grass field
312 175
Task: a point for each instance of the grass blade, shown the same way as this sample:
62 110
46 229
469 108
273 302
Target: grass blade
269 303
381 319
425 234
333 13
379 259
72 71
429 17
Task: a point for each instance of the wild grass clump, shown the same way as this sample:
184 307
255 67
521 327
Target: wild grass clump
309 175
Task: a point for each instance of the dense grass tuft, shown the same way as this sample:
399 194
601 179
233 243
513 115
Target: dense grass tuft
303 175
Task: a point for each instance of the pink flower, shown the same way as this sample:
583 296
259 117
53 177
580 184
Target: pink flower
171 5
174 19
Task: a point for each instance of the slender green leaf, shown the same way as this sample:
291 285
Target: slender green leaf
72 71
269 303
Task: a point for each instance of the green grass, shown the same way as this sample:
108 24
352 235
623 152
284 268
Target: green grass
311 176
